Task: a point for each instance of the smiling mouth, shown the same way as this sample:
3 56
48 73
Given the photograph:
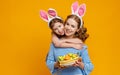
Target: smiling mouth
61 33
68 31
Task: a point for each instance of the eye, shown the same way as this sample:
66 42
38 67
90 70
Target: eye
59 26
67 23
72 26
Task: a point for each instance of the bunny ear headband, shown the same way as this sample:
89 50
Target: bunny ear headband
78 10
48 16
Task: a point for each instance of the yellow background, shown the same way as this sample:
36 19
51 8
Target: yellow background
25 38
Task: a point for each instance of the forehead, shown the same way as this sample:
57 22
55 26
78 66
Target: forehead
72 22
57 24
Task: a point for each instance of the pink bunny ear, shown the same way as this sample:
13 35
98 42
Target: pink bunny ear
82 10
44 15
52 12
74 7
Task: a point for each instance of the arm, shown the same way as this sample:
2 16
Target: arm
56 41
67 45
66 42
52 64
50 59
73 40
85 64
88 66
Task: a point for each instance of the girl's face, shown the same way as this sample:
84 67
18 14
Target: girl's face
58 28
71 27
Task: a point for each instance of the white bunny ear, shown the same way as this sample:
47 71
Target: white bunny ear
74 7
52 12
44 15
82 10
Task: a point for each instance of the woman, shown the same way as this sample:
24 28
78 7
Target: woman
72 30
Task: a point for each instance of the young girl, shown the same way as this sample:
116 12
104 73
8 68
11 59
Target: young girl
57 26
73 29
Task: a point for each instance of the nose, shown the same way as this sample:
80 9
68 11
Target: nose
60 30
68 27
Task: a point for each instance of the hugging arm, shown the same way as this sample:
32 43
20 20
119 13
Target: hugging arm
75 43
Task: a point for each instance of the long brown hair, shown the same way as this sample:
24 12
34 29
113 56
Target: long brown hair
81 34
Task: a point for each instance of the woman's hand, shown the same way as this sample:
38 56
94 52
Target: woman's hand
57 65
79 63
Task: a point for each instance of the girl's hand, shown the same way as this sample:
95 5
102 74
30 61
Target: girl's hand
79 63
78 46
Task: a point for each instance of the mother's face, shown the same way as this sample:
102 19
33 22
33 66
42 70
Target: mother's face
71 27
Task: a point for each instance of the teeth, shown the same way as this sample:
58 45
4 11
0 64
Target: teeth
68 31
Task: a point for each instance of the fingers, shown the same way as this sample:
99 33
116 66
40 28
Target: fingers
77 63
79 59
62 67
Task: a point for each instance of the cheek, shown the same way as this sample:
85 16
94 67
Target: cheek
62 27
56 31
74 30
65 27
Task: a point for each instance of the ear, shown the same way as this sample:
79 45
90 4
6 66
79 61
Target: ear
74 7
44 15
82 10
52 12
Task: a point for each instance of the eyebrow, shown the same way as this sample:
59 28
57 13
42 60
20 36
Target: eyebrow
67 22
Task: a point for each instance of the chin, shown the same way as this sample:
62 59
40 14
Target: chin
63 34
60 34
68 34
